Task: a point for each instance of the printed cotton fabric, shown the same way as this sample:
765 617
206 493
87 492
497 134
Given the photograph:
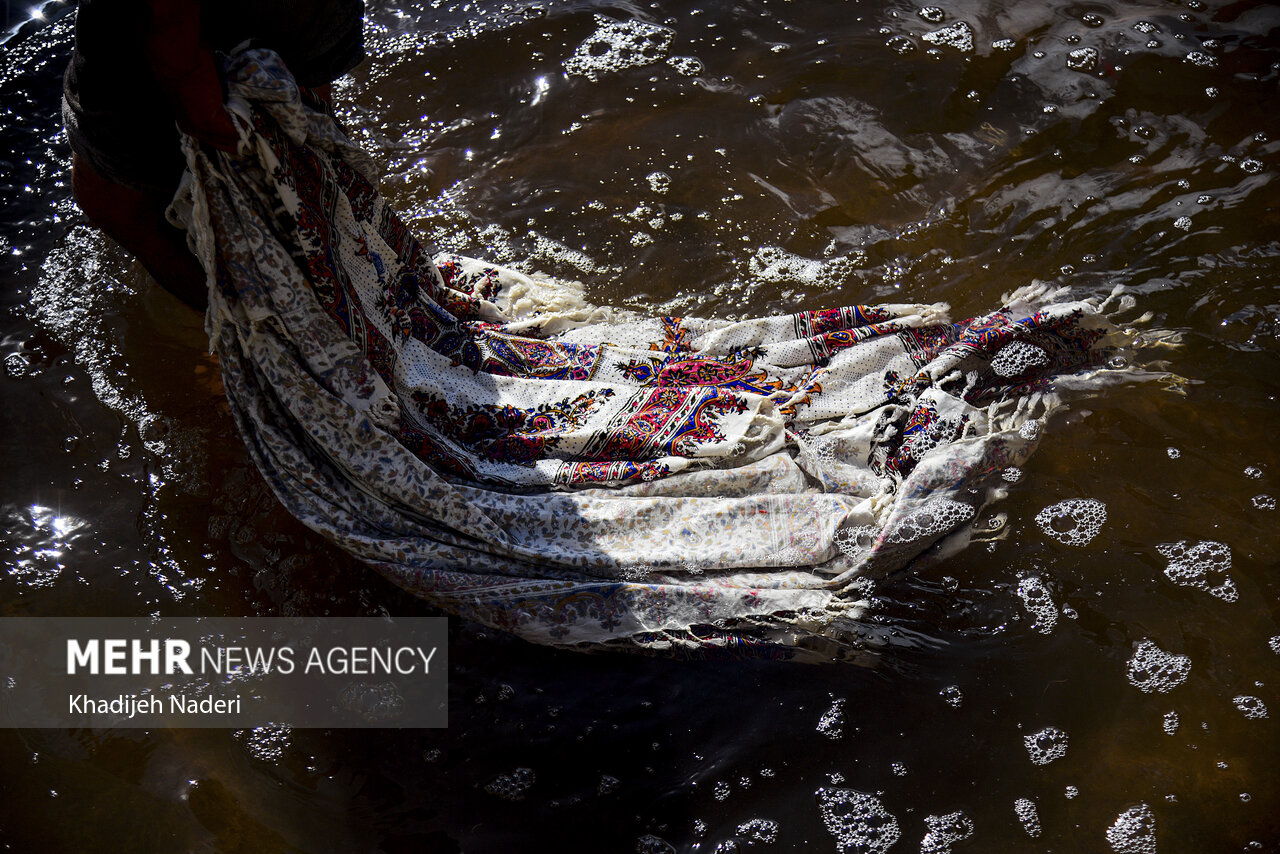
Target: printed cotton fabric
585 476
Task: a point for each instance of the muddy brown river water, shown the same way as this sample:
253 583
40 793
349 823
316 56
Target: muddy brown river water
724 159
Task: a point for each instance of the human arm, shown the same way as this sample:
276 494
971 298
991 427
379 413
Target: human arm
186 71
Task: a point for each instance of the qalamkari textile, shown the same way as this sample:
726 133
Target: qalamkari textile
586 476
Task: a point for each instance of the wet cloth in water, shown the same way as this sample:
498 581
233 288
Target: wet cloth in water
588 476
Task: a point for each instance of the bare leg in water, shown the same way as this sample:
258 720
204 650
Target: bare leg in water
135 219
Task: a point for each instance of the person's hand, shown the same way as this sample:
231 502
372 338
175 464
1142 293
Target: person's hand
185 69
197 100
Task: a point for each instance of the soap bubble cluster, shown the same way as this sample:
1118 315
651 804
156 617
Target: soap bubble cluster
1133 831
831 724
959 36
373 701
1074 522
1027 815
932 14
759 830
1083 59
650 844
1018 357
945 831
659 182
1170 723
617 45
513 786
952 696
266 743
1012 474
1035 598
689 66
933 517
856 542
1152 670
1031 430
858 821
1202 59
775 264
1201 565
1252 707
1046 745
1264 502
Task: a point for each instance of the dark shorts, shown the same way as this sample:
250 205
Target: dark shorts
117 119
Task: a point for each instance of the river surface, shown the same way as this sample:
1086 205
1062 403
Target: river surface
724 159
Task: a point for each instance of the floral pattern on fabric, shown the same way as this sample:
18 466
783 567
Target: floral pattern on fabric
592 477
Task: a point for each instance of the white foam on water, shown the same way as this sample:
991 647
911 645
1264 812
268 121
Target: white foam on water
1012 474
1031 430
1074 522
932 14
689 66
1202 565
1083 59
858 821
831 724
1039 604
659 182
266 743
959 36
934 517
618 45
1274 643
761 831
1017 358
952 696
1264 502
856 542
1170 723
1028 816
1046 745
1152 670
1133 831
945 831
775 264
513 786
1251 707
650 844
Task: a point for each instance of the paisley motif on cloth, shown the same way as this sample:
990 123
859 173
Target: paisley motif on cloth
583 476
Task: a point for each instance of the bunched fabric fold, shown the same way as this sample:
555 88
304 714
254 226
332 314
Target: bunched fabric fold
586 476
